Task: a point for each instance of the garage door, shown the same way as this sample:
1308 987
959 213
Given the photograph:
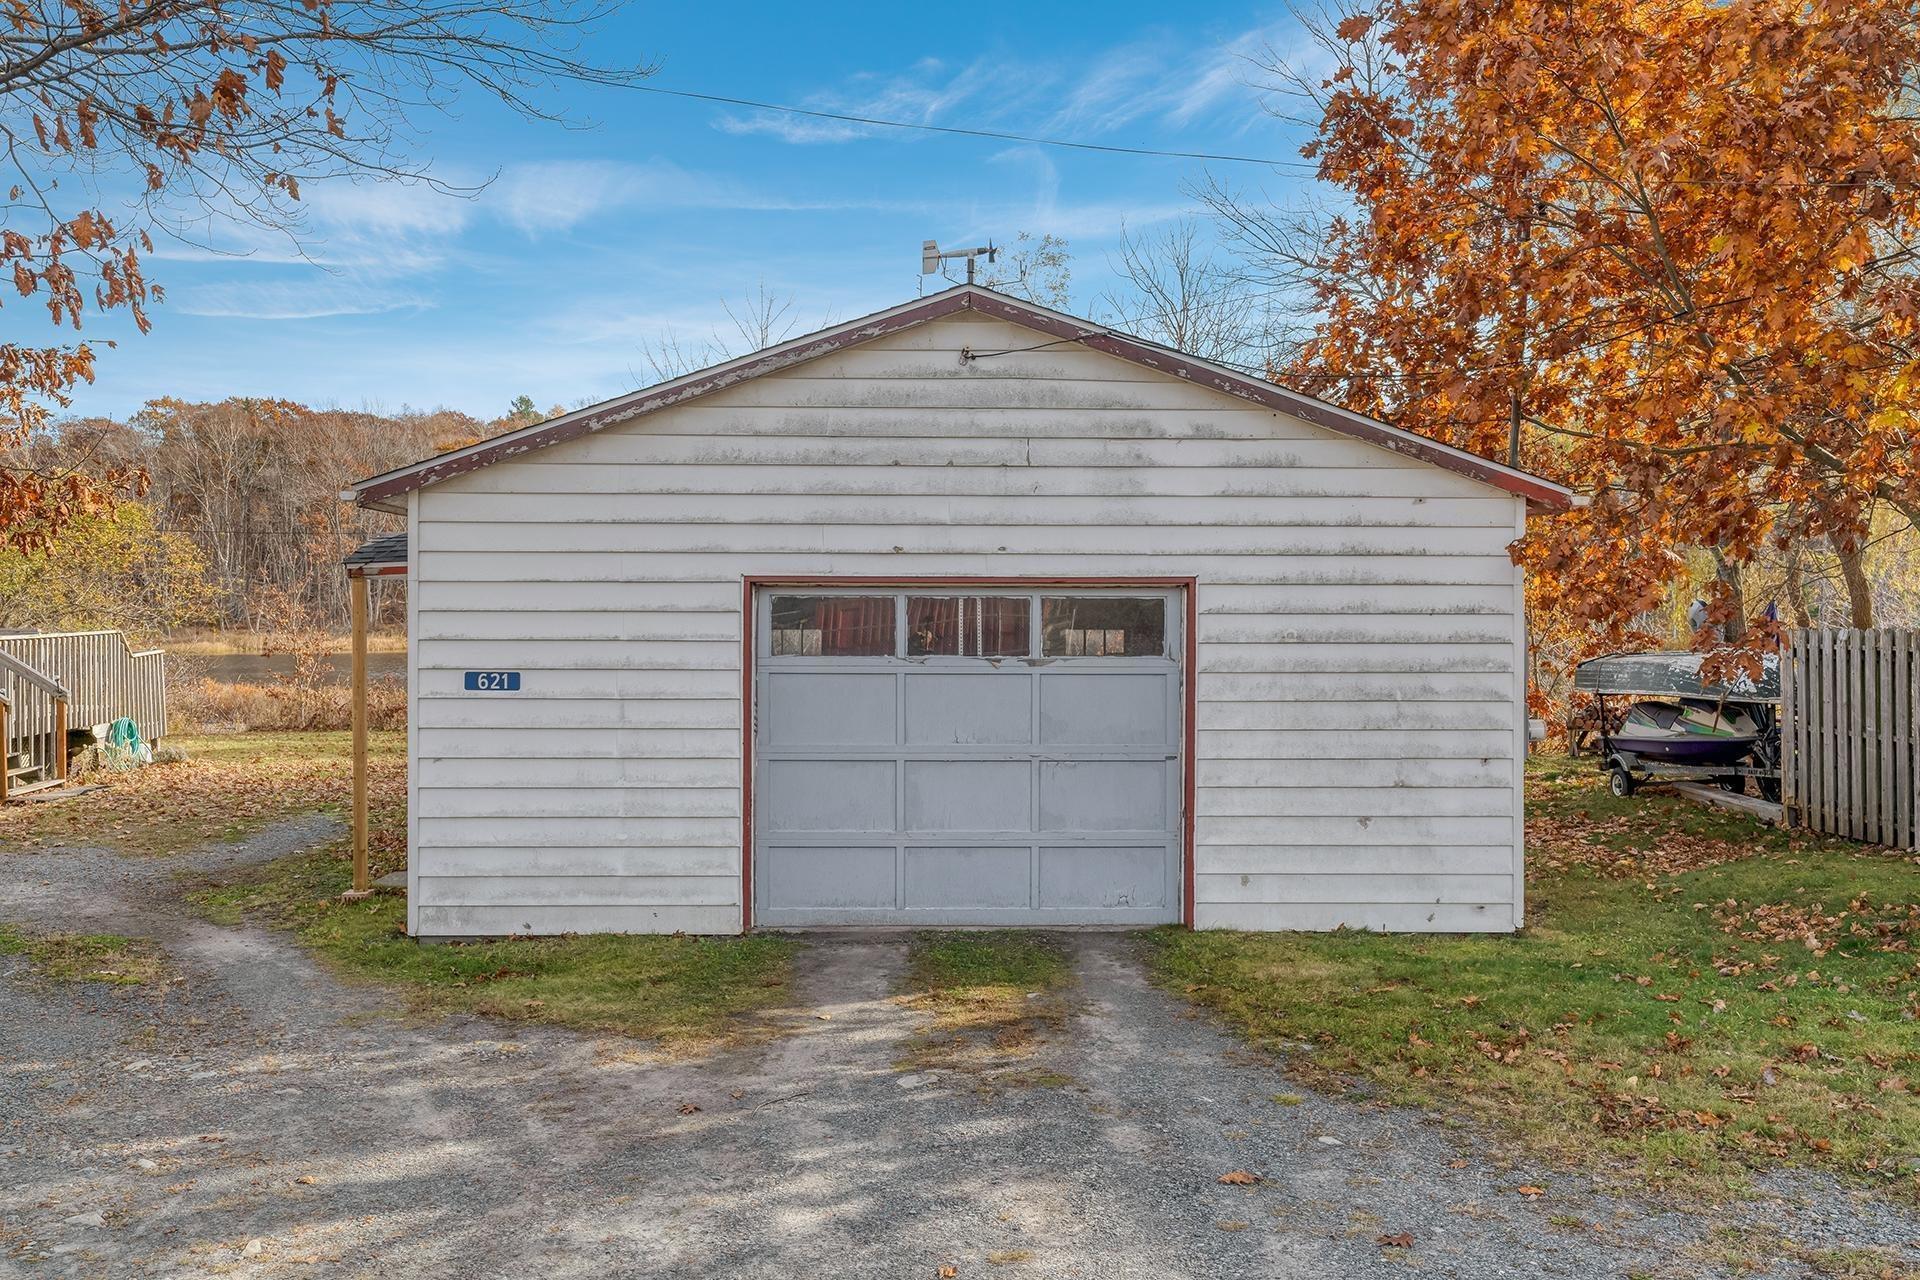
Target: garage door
967 758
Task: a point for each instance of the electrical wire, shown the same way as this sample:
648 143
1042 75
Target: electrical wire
992 134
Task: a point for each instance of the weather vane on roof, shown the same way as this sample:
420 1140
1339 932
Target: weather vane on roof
931 257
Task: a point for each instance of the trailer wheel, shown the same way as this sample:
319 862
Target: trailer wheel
1733 784
1770 790
1620 783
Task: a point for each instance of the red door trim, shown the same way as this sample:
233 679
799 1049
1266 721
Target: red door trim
1189 680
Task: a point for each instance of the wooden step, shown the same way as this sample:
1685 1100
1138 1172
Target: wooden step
27 789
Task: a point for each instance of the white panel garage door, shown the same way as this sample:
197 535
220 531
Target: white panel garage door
997 757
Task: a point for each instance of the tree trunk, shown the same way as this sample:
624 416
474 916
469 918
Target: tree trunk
1859 591
1796 589
1728 573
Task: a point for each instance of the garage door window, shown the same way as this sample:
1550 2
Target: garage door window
833 626
968 626
1103 627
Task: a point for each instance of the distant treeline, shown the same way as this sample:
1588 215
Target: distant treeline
230 513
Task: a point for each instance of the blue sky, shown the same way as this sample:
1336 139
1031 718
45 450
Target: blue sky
590 241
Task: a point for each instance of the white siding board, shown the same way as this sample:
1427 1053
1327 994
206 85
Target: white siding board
1375 916
580 890
1402 887
1255 569
745 538
1286 745
460 921
933 481
581 624
1204 512
573 771
1359 666
583 801
550 861
1213 772
567 740
1355 859
581 832
1359 654
652 446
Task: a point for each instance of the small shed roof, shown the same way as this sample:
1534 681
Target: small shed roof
378 557
383 490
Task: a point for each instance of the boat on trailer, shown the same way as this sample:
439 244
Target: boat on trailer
1677 727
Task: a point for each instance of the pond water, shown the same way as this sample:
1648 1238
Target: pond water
254 668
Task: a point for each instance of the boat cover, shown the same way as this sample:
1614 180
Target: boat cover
1671 675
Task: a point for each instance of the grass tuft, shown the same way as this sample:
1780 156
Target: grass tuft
992 996
88 957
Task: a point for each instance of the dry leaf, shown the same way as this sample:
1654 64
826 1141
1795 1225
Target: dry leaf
1529 1191
1400 1240
1240 1178
947 1272
688 1108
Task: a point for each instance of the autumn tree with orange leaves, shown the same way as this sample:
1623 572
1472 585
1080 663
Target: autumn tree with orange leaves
147 119
1668 244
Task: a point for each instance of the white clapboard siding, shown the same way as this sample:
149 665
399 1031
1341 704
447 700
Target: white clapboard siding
1413 566
1358 723
938 481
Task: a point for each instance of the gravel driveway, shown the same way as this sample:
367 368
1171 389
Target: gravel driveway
260 1119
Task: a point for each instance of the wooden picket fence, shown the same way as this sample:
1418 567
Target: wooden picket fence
1850 734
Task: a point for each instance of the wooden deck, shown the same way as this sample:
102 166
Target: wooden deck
57 682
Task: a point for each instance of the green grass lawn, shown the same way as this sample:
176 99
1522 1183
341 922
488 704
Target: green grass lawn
1694 996
683 991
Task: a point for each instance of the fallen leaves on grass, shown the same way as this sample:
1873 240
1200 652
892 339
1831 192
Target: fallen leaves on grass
1595 844
1886 926
227 787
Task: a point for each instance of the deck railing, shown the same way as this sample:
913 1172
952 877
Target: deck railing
105 676
33 728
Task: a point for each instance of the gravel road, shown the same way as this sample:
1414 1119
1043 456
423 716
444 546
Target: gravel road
260 1119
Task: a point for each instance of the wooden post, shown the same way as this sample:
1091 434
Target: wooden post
6 751
357 598
60 737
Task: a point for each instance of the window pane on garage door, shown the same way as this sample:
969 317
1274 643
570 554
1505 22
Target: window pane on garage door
833 626
1103 627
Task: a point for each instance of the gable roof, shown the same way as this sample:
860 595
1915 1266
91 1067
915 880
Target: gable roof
381 490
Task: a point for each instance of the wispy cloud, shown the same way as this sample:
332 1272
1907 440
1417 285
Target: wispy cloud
294 300
1163 81
557 196
924 93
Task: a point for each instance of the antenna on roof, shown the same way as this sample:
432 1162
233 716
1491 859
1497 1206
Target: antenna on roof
931 257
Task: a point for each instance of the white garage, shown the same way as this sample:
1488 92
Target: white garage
964 613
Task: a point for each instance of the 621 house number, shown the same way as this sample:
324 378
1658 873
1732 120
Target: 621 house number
493 681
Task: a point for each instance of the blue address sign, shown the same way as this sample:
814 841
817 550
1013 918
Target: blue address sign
493 681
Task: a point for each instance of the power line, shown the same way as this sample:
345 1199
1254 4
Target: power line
993 134
1851 182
